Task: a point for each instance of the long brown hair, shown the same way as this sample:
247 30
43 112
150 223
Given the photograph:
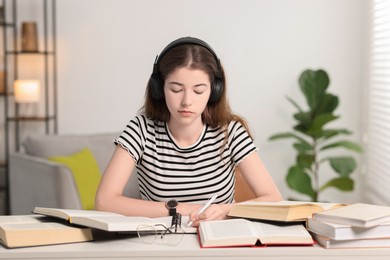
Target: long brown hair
193 56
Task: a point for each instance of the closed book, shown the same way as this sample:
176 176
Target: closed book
242 232
345 232
108 221
358 214
23 231
279 211
351 243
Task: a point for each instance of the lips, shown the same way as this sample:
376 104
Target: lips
185 113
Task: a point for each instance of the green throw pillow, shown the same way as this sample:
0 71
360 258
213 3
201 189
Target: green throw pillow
86 173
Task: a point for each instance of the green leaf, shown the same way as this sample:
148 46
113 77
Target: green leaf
328 104
297 179
303 118
287 135
344 144
321 120
295 104
305 160
329 133
343 165
303 147
342 183
315 128
313 85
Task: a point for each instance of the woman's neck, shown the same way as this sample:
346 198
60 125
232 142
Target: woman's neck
186 135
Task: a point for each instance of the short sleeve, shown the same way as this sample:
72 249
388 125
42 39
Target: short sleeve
240 143
132 138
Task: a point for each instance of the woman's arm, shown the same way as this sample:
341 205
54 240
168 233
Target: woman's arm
258 178
109 196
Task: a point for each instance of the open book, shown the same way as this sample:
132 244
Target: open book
279 211
242 232
108 221
23 231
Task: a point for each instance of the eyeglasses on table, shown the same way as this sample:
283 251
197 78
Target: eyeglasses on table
160 233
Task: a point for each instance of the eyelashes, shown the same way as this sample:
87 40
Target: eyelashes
180 90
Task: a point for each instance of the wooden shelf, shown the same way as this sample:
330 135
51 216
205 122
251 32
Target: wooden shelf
6 24
31 118
29 53
8 94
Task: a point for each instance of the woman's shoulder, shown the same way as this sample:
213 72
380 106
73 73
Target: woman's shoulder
146 122
235 124
142 118
230 128
237 127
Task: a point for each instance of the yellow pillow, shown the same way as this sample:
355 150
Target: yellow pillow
86 173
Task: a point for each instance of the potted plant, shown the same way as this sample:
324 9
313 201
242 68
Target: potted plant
313 140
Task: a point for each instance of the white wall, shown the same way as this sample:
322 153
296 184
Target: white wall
106 49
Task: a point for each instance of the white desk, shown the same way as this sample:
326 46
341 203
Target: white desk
132 248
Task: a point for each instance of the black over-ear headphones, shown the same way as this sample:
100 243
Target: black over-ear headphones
156 83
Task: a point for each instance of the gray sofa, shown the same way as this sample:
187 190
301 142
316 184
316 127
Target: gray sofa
36 181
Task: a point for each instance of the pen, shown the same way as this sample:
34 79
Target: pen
205 206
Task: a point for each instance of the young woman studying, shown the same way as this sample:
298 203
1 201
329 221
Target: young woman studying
185 143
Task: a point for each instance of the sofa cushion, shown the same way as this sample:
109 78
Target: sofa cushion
86 174
101 145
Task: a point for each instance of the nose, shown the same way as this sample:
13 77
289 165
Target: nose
187 98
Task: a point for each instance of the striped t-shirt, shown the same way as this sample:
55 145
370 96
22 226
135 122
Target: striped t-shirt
188 174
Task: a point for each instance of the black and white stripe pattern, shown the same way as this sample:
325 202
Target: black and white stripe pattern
191 174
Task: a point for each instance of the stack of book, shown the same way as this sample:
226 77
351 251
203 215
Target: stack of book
354 226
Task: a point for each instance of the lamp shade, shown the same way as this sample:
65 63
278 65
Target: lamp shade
26 91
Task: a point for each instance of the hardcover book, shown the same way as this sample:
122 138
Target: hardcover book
345 232
24 231
358 214
242 232
352 243
280 211
108 221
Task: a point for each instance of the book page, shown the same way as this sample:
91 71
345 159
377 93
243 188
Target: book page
35 226
229 228
288 203
69 213
19 219
265 229
117 223
284 234
88 213
127 223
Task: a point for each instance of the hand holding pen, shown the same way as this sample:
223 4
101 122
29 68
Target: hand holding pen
205 206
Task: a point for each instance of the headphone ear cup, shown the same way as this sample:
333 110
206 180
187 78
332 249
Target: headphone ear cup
156 87
216 91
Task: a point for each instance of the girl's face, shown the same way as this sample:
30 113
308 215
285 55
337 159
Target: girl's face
187 92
